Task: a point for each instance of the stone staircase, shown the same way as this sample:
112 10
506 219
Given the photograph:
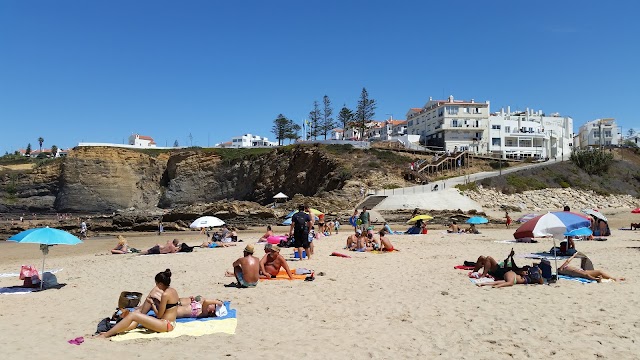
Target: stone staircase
371 201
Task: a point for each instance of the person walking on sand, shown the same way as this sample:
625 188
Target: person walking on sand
246 269
300 227
506 215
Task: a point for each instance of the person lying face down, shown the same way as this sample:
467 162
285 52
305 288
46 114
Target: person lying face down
490 267
172 246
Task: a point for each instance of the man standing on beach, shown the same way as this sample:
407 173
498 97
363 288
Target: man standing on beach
364 218
300 227
246 269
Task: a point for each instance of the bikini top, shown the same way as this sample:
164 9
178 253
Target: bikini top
169 306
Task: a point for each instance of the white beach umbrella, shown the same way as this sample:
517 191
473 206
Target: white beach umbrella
280 196
205 222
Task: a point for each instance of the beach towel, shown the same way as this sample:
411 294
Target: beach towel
380 251
16 290
282 275
481 280
542 255
18 274
580 280
189 327
464 267
340 255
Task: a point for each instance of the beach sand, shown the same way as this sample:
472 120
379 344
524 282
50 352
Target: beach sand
406 304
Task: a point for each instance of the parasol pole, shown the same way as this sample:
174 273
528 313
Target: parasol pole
44 255
555 256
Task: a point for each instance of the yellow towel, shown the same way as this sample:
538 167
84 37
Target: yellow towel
192 328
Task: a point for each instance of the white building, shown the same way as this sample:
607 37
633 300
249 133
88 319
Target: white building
248 140
468 125
393 129
449 124
598 132
528 134
634 139
337 134
141 141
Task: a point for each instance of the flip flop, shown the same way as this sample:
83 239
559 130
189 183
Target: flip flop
76 341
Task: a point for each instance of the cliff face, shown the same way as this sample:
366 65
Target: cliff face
107 179
196 177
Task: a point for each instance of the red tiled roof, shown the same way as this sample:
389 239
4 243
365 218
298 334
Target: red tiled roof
144 137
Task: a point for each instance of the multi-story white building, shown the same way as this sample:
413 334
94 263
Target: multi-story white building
468 125
248 140
598 132
528 134
141 141
392 129
449 124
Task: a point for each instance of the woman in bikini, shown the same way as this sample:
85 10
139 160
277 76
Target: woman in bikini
198 307
122 247
532 276
166 311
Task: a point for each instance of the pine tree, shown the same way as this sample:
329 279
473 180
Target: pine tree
28 151
345 117
364 112
175 143
281 128
327 121
315 118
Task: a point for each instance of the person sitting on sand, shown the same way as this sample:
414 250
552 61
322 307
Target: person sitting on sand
472 230
170 247
352 240
246 269
371 242
272 262
361 243
266 235
453 228
166 311
384 242
122 247
592 274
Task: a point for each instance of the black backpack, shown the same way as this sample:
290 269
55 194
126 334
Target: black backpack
299 223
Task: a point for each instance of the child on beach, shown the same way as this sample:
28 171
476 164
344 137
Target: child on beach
506 215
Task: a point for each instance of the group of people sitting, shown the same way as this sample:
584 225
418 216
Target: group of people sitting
366 241
167 306
455 229
248 269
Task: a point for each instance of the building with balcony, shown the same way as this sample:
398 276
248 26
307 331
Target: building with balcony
450 124
392 129
248 140
528 134
599 132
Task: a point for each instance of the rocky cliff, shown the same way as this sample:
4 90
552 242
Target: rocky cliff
103 180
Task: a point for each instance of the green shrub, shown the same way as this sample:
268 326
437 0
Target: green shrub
593 162
373 164
496 164
390 157
522 183
472 186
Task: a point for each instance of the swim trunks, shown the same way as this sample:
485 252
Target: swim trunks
244 283
154 250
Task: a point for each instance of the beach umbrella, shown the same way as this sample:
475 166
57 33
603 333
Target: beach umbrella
595 213
291 214
45 237
477 220
554 224
525 218
316 212
205 222
287 221
280 196
424 217
585 231
636 211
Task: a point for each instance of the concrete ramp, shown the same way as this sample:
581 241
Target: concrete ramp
448 199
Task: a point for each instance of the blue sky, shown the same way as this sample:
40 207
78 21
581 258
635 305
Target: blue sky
97 71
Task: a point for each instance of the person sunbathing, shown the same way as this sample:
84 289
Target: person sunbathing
592 274
372 242
122 247
198 307
166 311
272 262
532 276
170 247
472 229
266 235
384 242
490 267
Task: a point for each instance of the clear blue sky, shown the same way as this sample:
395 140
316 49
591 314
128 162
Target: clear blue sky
97 71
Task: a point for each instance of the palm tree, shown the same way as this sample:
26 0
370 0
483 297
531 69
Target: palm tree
40 141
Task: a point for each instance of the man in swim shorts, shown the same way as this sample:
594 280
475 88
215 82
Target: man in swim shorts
170 247
301 224
246 269
384 242
272 262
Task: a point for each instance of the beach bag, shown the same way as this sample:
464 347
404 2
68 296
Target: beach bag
221 311
300 223
534 273
129 299
545 266
104 325
185 248
28 271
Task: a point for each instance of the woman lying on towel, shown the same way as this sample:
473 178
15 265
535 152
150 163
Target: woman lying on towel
198 307
167 310
591 274
490 267
531 276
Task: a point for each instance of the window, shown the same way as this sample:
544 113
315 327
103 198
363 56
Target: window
452 110
465 110
507 129
495 127
454 123
596 134
607 133
495 141
531 130
440 112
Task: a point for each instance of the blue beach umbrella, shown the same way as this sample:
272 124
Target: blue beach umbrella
287 221
584 231
477 220
45 237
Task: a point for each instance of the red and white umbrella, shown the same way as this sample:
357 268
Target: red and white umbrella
552 224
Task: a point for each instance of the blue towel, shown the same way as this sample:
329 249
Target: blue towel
580 280
231 314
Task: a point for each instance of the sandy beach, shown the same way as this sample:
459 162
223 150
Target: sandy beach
406 304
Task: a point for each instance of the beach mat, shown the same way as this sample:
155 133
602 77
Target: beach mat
542 255
577 279
19 289
53 271
464 267
282 275
189 327
481 280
